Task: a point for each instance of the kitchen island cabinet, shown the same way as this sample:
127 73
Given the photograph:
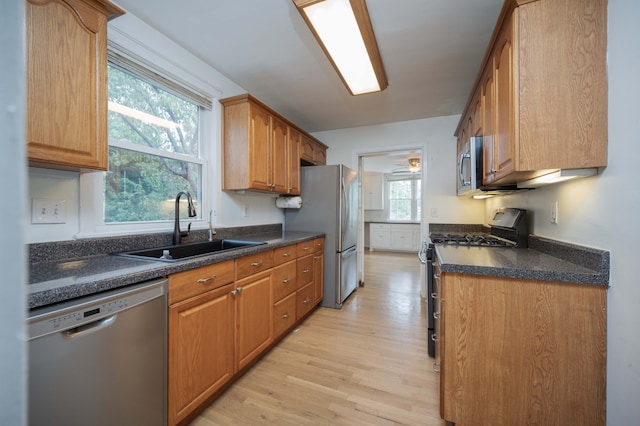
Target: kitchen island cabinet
66 67
515 351
542 90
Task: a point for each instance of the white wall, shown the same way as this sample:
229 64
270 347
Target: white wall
435 136
603 212
145 41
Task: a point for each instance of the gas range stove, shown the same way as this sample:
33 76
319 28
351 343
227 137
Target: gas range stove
508 228
472 239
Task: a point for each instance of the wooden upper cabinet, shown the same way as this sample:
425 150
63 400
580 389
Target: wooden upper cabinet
543 90
293 158
66 65
312 152
261 149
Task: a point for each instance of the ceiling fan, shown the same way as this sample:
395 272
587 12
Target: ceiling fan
412 168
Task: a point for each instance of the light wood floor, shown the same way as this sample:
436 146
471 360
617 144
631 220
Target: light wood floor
365 364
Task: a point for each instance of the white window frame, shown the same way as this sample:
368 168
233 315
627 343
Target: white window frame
91 186
414 199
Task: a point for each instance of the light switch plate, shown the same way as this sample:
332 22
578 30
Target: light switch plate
44 210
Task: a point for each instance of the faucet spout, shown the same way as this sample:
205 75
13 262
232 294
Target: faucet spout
191 211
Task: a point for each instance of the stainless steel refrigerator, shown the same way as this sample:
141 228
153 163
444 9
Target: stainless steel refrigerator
330 205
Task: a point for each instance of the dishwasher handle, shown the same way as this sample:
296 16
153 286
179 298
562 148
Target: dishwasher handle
89 328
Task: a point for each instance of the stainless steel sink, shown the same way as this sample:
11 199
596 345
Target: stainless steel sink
188 251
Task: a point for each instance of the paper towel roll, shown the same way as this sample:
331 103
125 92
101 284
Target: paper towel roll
289 202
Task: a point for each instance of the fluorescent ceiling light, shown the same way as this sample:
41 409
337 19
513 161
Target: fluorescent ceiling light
344 31
557 176
143 116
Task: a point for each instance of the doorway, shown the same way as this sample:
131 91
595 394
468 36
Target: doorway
384 168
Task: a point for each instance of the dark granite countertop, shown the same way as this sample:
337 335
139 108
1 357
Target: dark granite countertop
54 280
545 259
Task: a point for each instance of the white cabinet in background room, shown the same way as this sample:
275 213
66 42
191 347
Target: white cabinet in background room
394 236
373 193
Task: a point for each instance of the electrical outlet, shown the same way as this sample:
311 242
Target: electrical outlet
44 210
554 213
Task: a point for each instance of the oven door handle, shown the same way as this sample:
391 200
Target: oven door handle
422 254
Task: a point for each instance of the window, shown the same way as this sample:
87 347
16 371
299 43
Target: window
404 199
154 150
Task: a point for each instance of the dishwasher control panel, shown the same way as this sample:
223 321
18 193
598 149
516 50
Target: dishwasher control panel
84 311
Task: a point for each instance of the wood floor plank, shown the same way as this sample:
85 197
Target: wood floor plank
365 364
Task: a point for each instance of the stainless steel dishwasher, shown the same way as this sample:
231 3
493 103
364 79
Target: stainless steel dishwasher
100 359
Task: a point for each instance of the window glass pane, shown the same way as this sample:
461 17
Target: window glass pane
144 114
400 200
143 187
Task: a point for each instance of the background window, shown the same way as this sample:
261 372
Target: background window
404 199
154 150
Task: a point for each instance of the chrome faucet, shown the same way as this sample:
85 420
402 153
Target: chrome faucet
192 213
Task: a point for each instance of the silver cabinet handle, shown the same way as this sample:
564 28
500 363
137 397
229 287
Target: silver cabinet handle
306 271
236 291
436 276
286 280
436 315
436 367
257 263
286 254
306 248
286 315
434 296
434 337
307 300
206 280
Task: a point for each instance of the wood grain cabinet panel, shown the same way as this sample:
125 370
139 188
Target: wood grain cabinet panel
522 351
284 315
201 342
304 271
304 300
193 282
284 280
543 91
254 317
262 151
66 67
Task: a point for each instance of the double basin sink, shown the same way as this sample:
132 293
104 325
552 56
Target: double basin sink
190 250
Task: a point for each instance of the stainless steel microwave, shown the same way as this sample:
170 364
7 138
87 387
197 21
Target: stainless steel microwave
469 167
470 172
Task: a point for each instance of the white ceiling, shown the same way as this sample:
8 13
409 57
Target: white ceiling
431 50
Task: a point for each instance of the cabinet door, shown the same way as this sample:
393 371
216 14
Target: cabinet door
279 164
318 278
379 235
373 191
254 317
293 159
504 143
401 239
66 67
200 349
259 148
488 126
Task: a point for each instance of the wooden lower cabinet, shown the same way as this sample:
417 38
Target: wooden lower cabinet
200 357
223 316
254 316
522 351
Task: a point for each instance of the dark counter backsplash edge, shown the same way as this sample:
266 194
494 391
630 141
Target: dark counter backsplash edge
587 257
57 251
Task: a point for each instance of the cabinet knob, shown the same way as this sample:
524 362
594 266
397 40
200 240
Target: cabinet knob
434 337
436 367
434 296
436 315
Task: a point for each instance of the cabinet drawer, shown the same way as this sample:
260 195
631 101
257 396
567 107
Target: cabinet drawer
284 254
284 280
380 226
402 239
196 281
284 314
304 248
318 245
304 271
304 300
253 263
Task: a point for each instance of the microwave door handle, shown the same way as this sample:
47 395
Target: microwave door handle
463 156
